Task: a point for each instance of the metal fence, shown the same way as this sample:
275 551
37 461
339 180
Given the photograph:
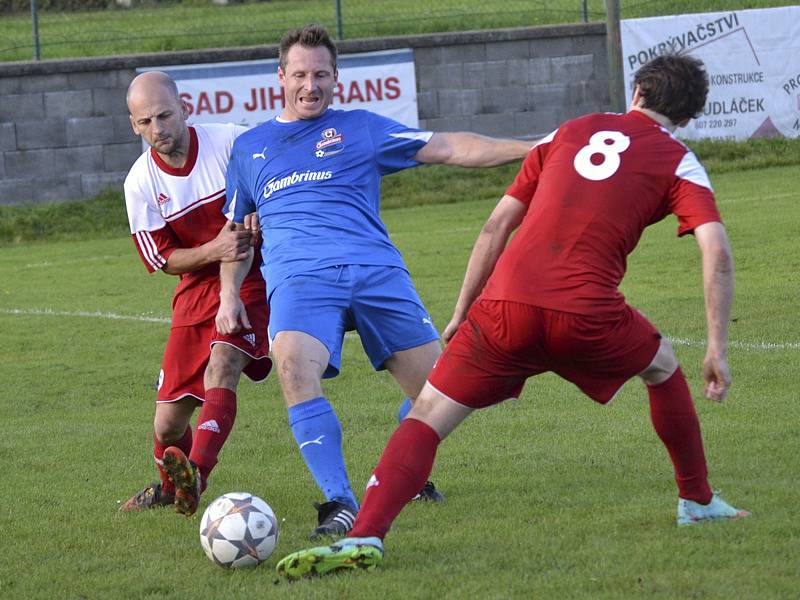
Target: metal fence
139 26
129 27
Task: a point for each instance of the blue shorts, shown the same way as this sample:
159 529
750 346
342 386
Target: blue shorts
379 302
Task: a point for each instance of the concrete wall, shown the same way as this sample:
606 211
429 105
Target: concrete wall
65 135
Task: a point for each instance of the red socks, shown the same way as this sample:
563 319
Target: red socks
675 421
185 444
214 424
402 471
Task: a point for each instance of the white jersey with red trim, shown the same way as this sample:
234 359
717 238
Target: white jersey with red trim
171 208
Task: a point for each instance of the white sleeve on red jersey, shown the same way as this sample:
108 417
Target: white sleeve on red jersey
690 169
691 197
152 236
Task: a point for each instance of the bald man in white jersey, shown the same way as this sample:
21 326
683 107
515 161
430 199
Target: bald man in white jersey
174 194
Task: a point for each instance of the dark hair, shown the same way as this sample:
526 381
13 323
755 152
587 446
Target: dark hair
673 85
310 36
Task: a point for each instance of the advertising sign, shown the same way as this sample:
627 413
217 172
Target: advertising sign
753 62
248 93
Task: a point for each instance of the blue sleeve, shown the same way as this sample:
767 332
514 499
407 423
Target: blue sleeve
238 197
395 144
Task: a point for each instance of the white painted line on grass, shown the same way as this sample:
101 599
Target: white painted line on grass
73 261
49 312
737 344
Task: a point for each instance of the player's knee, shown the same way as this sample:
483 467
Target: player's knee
169 431
298 376
663 365
224 367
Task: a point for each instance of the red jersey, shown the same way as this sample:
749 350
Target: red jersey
591 188
172 208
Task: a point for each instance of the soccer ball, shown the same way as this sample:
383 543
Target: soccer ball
238 530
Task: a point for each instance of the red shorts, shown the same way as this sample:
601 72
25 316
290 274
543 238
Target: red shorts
503 343
188 350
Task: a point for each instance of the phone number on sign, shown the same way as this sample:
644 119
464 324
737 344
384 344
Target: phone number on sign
715 123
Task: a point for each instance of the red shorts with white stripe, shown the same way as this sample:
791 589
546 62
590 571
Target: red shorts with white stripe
503 343
189 348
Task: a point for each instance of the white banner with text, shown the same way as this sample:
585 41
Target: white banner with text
753 63
248 92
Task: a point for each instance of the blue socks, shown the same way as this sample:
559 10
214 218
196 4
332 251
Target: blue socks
318 433
404 408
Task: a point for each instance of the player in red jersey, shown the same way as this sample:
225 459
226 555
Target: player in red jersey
549 300
174 195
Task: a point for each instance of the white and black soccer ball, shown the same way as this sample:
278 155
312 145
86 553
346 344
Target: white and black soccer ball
238 530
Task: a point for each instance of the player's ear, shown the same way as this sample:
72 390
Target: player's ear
281 76
637 97
133 125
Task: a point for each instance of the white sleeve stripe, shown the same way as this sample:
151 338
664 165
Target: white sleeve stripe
690 169
146 244
150 250
144 249
423 136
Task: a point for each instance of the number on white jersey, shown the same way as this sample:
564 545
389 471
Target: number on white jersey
609 144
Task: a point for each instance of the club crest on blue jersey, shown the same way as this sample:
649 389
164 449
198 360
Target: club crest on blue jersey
330 144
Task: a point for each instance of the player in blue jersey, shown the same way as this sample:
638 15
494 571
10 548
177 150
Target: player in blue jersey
313 176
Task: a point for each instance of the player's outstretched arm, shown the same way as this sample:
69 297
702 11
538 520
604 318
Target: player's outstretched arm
718 290
491 242
231 315
231 244
466 149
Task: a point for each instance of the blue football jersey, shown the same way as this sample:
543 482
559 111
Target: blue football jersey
316 187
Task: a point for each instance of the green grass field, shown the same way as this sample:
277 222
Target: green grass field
190 24
550 496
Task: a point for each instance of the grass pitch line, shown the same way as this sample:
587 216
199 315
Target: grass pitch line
737 344
49 312
73 261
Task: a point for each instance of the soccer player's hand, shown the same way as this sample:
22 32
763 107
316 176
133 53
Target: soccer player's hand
231 244
251 223
451 329
717 377
231 316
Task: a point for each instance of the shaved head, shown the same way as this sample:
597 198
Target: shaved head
158 114
150 84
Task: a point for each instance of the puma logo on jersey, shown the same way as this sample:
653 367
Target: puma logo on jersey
262 154
317 441
427 321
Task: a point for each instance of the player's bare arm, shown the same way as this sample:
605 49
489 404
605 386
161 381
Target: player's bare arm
491 242
472 150
230 245
231 315
718 283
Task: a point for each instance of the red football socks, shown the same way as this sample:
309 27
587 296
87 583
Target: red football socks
214 424
402 471
675 421
185 444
